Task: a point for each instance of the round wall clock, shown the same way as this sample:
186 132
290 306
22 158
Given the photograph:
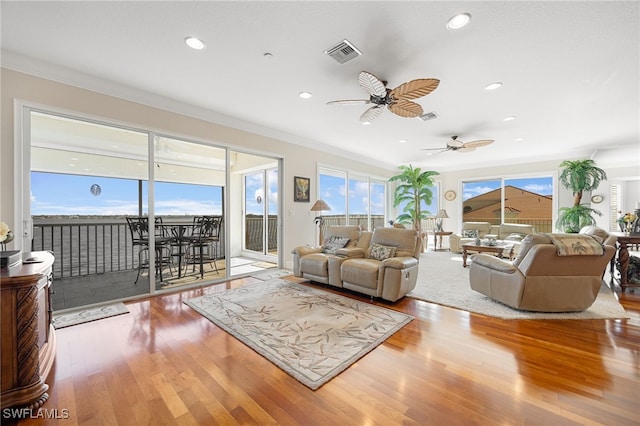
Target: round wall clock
450 195
95 189
597 199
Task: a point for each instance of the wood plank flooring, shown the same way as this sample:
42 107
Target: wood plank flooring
165 364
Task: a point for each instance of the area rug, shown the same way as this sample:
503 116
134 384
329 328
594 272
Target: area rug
443 280
80 316
270 274
265 265
311 334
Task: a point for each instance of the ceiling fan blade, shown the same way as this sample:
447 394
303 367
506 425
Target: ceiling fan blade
415 88
369 115
479 143
405 108
350 102
466 149
372 84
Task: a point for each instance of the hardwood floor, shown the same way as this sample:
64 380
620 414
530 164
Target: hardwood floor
163 363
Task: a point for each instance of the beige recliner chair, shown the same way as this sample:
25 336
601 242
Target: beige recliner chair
322 263
390 267
540 279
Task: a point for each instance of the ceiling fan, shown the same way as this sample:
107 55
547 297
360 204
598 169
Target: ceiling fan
398 100
455 145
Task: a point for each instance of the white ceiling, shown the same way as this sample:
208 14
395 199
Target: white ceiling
570 70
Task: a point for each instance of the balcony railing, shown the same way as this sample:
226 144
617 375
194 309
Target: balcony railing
91 246
540 225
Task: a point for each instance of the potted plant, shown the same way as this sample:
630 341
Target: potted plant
413 189
579 176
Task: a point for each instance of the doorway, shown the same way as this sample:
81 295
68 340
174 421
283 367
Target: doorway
257 239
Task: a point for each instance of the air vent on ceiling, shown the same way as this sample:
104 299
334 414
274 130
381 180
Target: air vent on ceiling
428 116
343 52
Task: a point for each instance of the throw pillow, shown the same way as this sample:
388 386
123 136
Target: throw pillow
380 252
514 237
330 245
470 233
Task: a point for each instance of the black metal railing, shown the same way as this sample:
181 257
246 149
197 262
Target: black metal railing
91 246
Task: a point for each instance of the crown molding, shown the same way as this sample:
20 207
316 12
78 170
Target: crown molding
38 68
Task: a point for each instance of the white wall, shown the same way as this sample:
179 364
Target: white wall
564 198
299 227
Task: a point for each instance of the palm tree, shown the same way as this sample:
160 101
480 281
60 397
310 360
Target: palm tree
414 189
579 176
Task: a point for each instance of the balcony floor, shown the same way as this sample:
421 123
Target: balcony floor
92 289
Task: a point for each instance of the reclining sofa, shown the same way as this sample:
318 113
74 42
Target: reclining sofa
512 232
380 264
544 277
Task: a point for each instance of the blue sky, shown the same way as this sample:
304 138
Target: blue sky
60 194
541 185
333 190
255 191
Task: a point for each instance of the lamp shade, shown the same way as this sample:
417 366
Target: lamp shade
320 205
442 213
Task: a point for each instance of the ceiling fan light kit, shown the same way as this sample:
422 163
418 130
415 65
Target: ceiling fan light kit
398 101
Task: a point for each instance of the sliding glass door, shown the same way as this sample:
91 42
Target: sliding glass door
85 178
261 212
189 184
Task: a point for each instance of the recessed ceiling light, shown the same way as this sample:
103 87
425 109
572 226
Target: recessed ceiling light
402 141
509 118
458 21
366 123
305 95
428 153
519 139
194 43
493 86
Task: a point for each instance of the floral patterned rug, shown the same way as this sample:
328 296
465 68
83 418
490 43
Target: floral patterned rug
311 334
80 316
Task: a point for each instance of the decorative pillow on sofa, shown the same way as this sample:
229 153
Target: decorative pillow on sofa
470 233
514 237
380 252
330 245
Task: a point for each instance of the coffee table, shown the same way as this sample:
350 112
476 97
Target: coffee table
498 249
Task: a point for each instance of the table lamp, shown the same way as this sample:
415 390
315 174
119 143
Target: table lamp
442 214
320 206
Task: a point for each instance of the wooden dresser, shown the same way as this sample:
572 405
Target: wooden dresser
28 338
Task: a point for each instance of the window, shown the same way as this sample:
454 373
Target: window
509 200
354 199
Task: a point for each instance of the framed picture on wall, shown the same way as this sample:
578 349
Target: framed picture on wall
301 189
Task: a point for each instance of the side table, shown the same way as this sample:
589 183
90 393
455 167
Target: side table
440 234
